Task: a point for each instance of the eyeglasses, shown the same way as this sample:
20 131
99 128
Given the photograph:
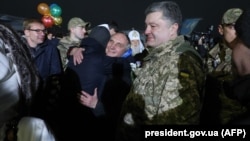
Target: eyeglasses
38 30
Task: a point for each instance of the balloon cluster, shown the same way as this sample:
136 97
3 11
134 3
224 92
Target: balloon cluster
51 14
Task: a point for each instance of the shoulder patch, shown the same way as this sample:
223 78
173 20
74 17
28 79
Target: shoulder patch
184 74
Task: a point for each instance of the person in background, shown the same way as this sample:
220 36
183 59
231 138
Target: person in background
117 85
50 36
113 27
242 44
19 83
93 72
240 55
136 43
77 31
46 57
44 52
54 32
137 47
218 107
168 88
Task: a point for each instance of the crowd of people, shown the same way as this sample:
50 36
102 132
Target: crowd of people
103 81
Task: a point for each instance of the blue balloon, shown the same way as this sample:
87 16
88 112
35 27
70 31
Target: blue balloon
52 5
55 10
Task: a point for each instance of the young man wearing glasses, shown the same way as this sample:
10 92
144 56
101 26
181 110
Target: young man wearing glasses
43 51
46 57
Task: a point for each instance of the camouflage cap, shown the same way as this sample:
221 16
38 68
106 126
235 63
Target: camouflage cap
231 16
74 22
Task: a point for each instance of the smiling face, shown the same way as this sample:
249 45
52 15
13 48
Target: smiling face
117 45
35 34
159 30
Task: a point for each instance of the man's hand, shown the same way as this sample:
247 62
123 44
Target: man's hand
88 100
77 55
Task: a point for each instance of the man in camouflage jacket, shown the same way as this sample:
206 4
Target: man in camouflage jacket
168 88
77 30
218 107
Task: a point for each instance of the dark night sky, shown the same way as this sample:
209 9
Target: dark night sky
128 13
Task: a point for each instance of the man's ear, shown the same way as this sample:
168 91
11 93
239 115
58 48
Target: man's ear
220 29
26 32
174 28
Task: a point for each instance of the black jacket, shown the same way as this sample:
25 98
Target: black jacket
93 71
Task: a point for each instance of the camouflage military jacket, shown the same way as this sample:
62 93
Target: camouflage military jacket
167 89
64 44
219 59
220 70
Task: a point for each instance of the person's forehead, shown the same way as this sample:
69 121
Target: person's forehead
119 37
153 17
37 25
228 27
112 31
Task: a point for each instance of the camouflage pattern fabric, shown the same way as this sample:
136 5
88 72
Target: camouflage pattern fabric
166 90
219 59
231 16
64 44
230 109
220 71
